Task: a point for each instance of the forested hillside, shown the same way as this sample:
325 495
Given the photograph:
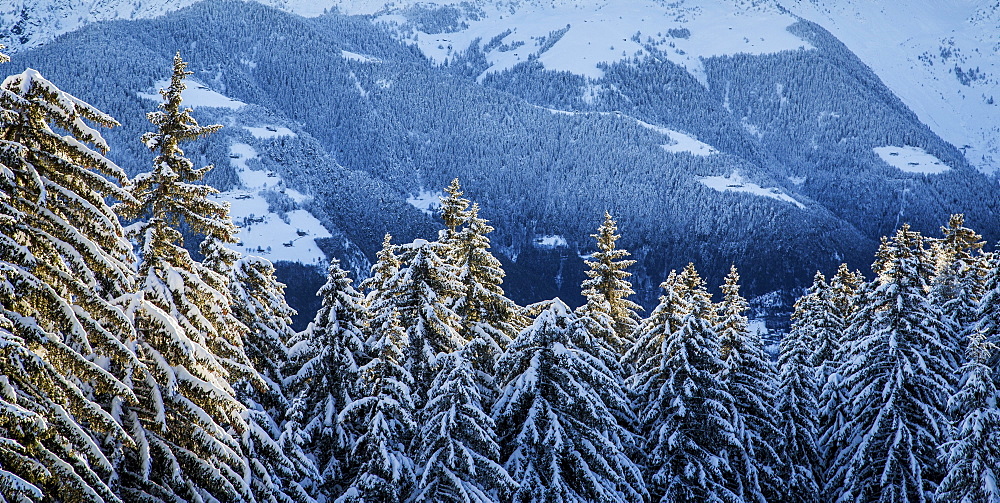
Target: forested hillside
130 370
340 129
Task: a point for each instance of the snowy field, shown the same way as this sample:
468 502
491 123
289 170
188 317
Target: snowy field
737 183
912 160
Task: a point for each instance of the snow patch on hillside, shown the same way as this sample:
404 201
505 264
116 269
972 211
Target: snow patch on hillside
551 241
353 56
269 132
580 35
426 201
737 183
196 95
680 142
289 236
912 160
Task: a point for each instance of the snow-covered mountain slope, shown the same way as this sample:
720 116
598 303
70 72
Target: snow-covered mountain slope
941 57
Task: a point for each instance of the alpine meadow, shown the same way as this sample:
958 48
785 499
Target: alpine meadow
499 251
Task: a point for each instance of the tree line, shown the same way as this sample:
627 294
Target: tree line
130 371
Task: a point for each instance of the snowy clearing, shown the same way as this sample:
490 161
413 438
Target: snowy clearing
681 142
196 95
269 132
736 183
912 160
353 56
550 241
289 237
426 201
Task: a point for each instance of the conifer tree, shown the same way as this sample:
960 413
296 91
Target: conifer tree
607 289
380 288
385 411
259 303
689 430
957 284
973 457
797 406
988 312
561 441
63 259
195 438
458 451
646 354
897 377
750 378
454 212
426 288
324 366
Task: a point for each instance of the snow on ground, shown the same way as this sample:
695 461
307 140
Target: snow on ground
604 31
269 132
353 56
196 95
426 201
289 237
551 241
912 160
680 142
737 183
939 57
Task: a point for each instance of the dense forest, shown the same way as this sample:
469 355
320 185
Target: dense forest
132 372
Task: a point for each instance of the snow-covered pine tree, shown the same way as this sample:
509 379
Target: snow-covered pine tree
63 259
988 312
458 452
259 303
195 440
973 456
897 377
646 355
688 428
560 440
797 406
323 371
487 318
380 288
426 288
384 410
750 378
957 283
607 289
454 212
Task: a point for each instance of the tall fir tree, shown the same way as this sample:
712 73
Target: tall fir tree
426 288
63 260
987 320
897 377
458 452
797 401
380 288
324 367
607 288
957 284
454 212
646 355
384 409
561 441
195 438
750 378
488 320
973 456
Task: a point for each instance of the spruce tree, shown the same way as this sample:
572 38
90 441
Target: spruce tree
454 212
750 378
689 430
646 354
560 440
973 457
897 377
324 367
488 320
458 452
63 259
988 312
195 438
607 289
425 290
957 283
384 410
380 288
797 406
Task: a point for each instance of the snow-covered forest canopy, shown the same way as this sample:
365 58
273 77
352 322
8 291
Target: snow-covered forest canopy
131 371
